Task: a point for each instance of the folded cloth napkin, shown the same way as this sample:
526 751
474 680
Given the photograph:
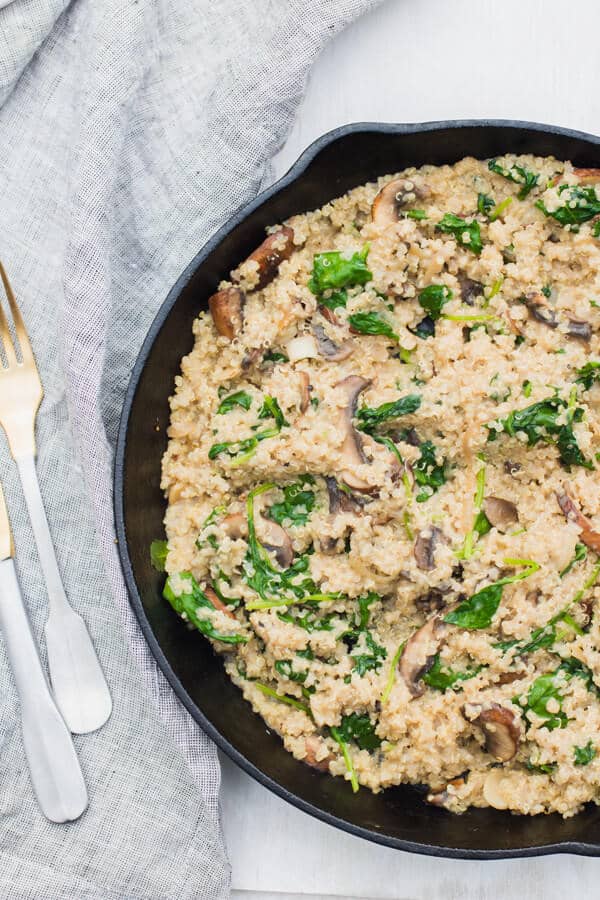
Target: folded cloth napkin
129 131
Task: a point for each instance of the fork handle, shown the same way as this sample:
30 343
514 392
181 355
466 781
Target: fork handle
78 683
53 765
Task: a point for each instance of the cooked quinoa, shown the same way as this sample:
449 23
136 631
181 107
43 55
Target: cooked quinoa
382 483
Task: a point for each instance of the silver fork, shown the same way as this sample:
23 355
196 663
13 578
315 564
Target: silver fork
78 682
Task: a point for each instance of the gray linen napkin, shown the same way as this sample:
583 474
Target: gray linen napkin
128 132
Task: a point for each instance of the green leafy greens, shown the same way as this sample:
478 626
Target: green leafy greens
467 234
478 610
540 422
433 299
582 204
297 504
243 449
240 398
428 473
517 174
441 678
584 755
158 555
188 599
334 270
370 418
587 375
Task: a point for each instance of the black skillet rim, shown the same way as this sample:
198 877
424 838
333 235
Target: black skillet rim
579 848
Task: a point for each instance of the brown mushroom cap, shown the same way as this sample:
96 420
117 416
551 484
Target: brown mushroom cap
394 196
501 730
235 526
419 652
352 452
271 253
227 310
441 797
588 534
587 176
424 549
328 348
579 329
540 310
470 289
500 513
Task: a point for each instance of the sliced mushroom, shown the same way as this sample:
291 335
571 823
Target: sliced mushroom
312 746
580 330
470 290
302 347
227 310
511 467
328 348
392 198
339 500
352 452
587 176
271 253
501 730
304 391
588 534
433 599
276 540
235 526
497 789
509 677
501 514
419 653
251 357
540 311
329 314
441 797
424 549
217 602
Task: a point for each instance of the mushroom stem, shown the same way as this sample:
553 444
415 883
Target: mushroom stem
588 534
352 452
227 310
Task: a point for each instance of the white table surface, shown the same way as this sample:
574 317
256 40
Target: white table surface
411 61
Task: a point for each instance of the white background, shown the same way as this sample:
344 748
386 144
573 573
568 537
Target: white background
412 61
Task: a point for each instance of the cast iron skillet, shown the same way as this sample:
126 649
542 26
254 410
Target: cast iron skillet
397 817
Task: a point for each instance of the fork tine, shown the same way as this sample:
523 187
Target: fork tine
21 331
5 336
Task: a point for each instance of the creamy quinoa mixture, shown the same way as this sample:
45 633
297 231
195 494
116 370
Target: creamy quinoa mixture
382 483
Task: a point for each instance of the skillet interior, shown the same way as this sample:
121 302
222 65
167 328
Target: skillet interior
397 817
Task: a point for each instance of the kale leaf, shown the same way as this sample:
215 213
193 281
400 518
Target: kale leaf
467 234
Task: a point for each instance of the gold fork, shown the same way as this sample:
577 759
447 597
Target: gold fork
78 682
